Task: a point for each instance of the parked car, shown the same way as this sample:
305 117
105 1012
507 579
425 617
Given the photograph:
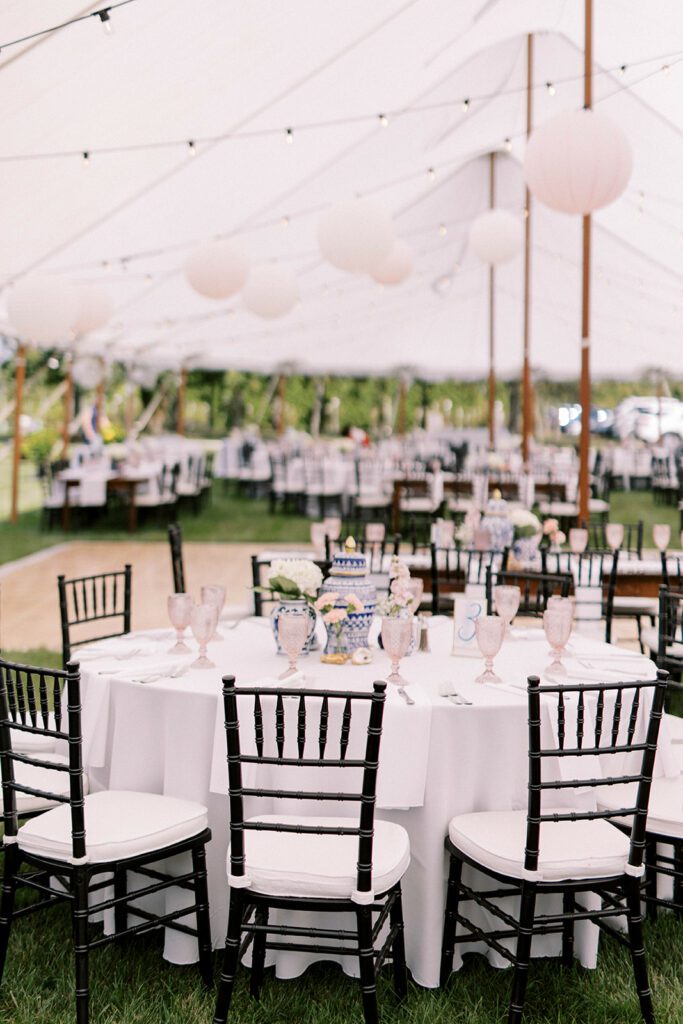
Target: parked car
569 419
650 418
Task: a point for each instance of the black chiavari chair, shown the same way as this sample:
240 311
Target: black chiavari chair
175 540
672 571
632 544
453 568
534 588
670 634
96 600
310 864
626 605
558 848
74 850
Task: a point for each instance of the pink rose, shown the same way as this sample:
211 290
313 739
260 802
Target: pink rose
550 526
324 601
559 537
355 604
334 615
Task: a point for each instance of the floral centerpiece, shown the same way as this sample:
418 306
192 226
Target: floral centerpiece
553 537
401 600
295 581
334 616
528 533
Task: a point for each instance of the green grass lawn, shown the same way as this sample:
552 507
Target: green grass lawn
132 984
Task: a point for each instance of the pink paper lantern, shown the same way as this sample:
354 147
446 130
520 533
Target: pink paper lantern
397 266
355 235
578 162
271 290
96 307
217 269
496 236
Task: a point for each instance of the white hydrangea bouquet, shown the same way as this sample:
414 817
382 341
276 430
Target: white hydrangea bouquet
293 579
526 524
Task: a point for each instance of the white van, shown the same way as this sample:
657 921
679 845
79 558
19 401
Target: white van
650 419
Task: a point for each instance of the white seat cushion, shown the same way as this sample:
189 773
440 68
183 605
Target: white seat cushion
42 778
650 637
304 864
634 605
665 811
674 727
569 849
32 742
118 824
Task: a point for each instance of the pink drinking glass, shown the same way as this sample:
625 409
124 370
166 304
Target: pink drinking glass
578 540
214 593
506 602
661 535
292 630
179 610
203 619
490 630
557 625
318 534
333 525
396 636
614 535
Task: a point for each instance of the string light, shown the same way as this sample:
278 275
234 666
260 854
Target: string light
106 20
431 173
383 120
551 88
443 230
289 136
191 146
622 69
665 69
284 222
86 158
508 145
466 105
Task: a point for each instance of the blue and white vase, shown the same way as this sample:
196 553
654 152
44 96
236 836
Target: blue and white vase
497 524
349 575
525 552
302 605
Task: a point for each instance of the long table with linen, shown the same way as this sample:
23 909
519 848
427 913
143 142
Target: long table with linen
152 723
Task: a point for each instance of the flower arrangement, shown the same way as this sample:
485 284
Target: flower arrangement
526 524
552 534
334 616
464 533
401 599
294 579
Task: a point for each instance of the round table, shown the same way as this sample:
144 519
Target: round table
437 759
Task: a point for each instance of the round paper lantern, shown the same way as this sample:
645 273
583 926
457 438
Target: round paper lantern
97 307
42 309
577 162
218 269
355 235
397 266
496 236
271 290
87 372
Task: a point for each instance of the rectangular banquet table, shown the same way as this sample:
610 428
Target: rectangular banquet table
165 735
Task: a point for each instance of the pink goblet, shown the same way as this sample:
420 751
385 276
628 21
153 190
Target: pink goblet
214 594
578 540
292 630
506 602
490 630
661 535
179 610
557 625
396 636
203 619
614 535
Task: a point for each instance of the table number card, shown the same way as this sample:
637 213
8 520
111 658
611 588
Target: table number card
466 611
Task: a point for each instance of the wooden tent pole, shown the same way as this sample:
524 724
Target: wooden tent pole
68 407
182 392
527 398
492 316
282 396
20 375
585 388
402 401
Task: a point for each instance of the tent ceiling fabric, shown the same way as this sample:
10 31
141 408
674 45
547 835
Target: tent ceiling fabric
175 70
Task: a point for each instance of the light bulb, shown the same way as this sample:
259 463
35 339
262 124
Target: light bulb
431 173
289 135
550 87
86 158
383 120
465 105
508 145
106 21
443 230
192 148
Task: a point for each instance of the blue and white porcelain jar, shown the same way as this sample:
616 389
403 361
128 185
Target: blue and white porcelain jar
300 605
349 576
497 524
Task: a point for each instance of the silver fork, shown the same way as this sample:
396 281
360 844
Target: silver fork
406 696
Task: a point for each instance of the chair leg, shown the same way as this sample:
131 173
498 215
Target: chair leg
120 890
450 923
398 950
651 879
259 955
80 937
201 891
230 957
639 624
678 880
9 887
523 956
368 984
635 934
568 909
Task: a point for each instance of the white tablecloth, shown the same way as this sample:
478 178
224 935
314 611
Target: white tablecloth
438 759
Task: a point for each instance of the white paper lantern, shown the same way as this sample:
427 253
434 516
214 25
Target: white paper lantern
144 376
218 269
496 236
42 309
578 162
356 235
87 372
96 307
271 290
397 266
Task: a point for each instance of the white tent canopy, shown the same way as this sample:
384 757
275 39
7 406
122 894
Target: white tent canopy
175 71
